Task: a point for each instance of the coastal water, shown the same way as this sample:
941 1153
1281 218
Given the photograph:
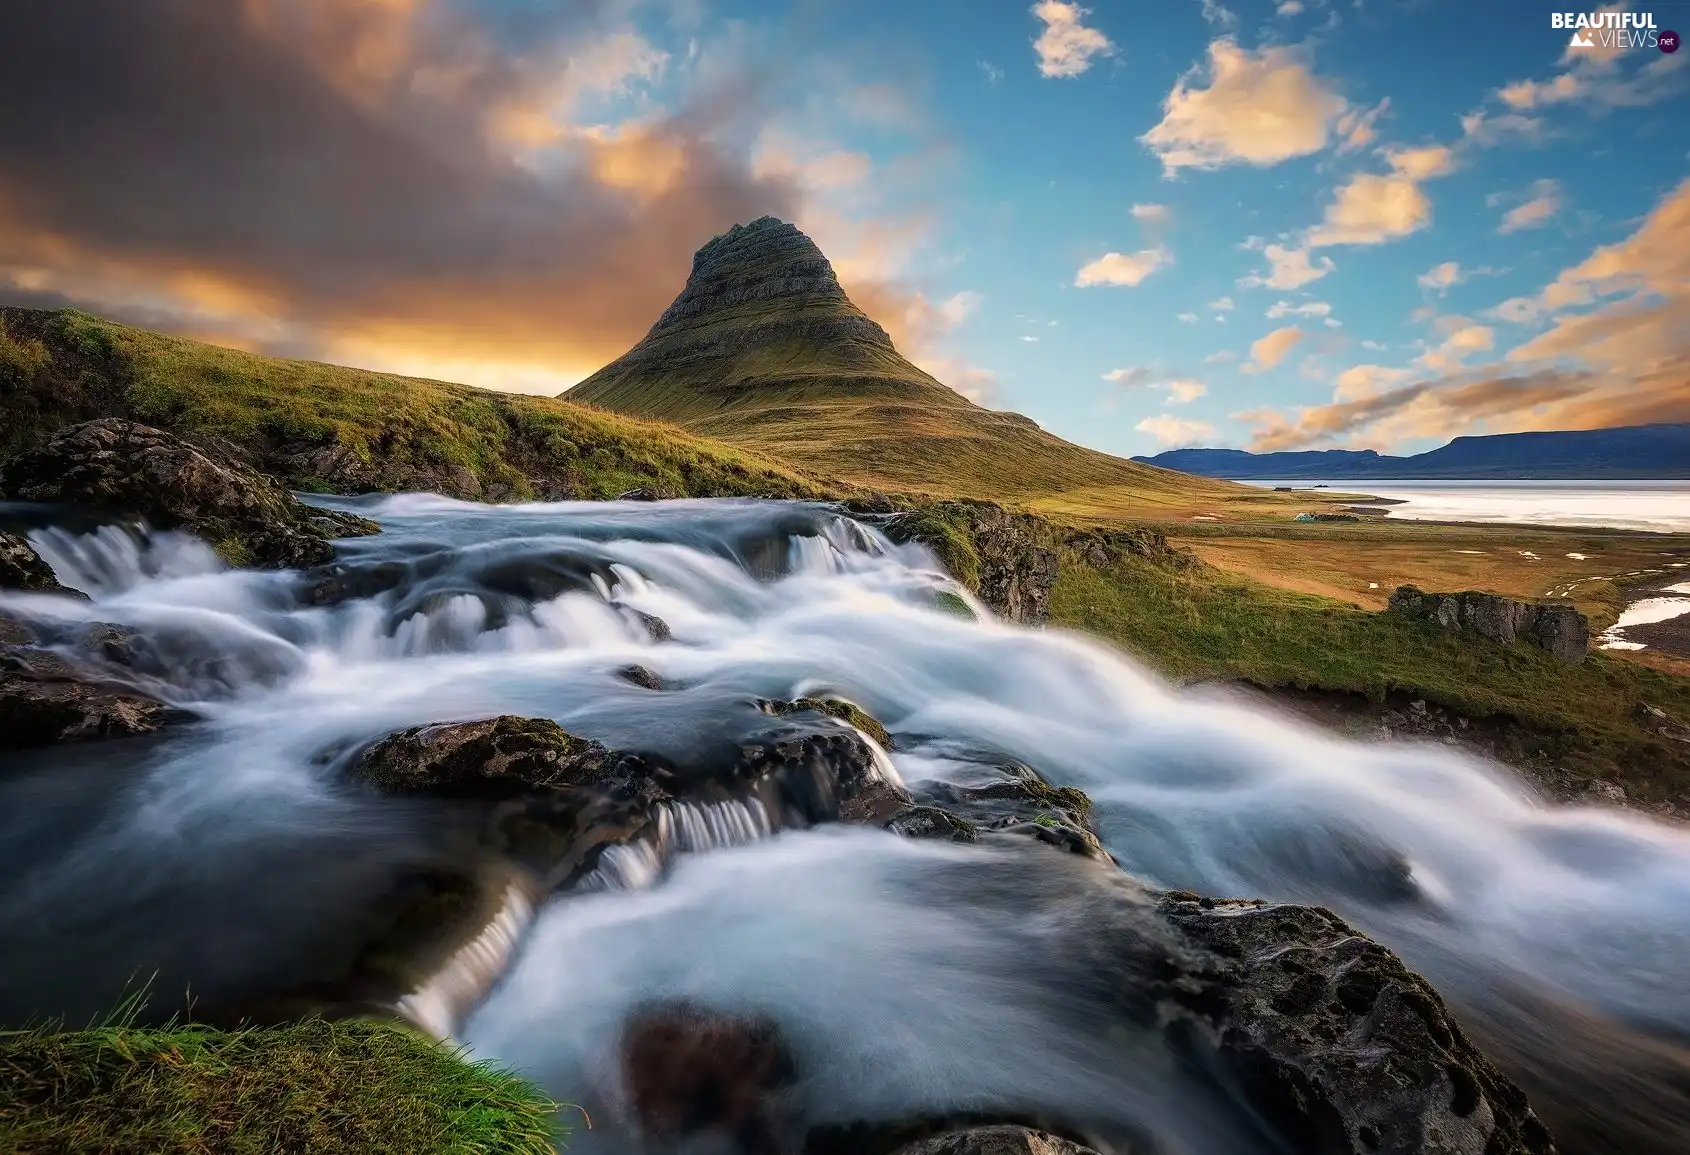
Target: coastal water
1659 506
231 857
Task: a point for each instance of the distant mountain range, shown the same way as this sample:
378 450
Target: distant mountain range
1632 452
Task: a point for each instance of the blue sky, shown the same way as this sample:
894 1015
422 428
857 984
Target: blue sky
1375 223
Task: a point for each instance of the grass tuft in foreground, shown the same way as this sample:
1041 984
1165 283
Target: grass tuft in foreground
318 1086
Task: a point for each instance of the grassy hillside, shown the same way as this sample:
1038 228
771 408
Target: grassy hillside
329 1088
1200 623
334 429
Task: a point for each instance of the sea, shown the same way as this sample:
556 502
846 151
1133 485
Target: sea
1660 506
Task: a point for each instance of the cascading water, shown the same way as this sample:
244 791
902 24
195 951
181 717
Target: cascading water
231 856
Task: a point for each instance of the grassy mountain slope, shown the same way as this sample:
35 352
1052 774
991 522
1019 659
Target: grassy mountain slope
330 428
764 350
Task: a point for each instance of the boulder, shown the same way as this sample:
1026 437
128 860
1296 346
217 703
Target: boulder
1554 626
1336 1044
1000 555
1102 548
21 568
45 700
487 758
119 467
999 1140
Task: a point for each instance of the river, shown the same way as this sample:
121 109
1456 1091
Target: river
232 855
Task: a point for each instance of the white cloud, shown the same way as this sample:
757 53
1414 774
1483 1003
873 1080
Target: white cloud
1173 431
1306 309
958 307
1066 46
1270 350
1376 346
1288 268
1219 15
1128 378
1152 214
1030 340
991 71
1543 203
1221 304
1259 108
1123 268
1359 382
1462 338
1184 390
1187 318
1220 356
1289 8
1441 277
1355 127
1373 208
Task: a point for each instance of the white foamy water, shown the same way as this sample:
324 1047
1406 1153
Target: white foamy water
1660 506
910 986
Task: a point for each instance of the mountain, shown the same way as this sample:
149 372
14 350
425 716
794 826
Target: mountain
764 350
1638 452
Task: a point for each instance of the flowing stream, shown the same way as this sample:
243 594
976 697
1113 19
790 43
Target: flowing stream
230 856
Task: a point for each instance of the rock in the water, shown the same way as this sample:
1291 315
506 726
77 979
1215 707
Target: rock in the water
1002 1140
931 822
1339 1046
490 757
1000 555
21 568
1556 627
44 701
640 676
122 468
847 712
688 1070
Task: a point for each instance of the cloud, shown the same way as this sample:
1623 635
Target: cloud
1221 304
1066 46
1441 277
1186 318
1288 268
1220 356
1306 309
1617 352
1462 338
1123 268
1184 390
1373 208
1259 108
1129 378
1359 382
1543 203
992 72
958 307
1288 8
1355 127
1219 15
1152 214
1172 431
1269 351
1029 339
1597 79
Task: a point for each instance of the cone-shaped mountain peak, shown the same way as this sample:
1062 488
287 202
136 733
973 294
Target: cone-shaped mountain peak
764 349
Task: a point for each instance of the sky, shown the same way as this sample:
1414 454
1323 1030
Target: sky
1265 224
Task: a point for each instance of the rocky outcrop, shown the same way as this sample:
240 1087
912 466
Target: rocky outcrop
45 700
1336 1044
1556 627
999 1140
487 758
135 471
1103 548
21 568
1003 557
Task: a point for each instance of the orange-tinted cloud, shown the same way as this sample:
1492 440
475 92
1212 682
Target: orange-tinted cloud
385 181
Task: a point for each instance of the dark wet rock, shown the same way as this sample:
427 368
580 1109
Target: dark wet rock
21 568
931 822
135 471
875 803
847 712
1101 549
640 676
688 1070
870 503
1003 557
1556 627
1337 1045
490 757
1015 801
45 700
999 1140
655 627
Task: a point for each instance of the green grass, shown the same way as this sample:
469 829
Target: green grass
333 429
318 1086
1204 623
